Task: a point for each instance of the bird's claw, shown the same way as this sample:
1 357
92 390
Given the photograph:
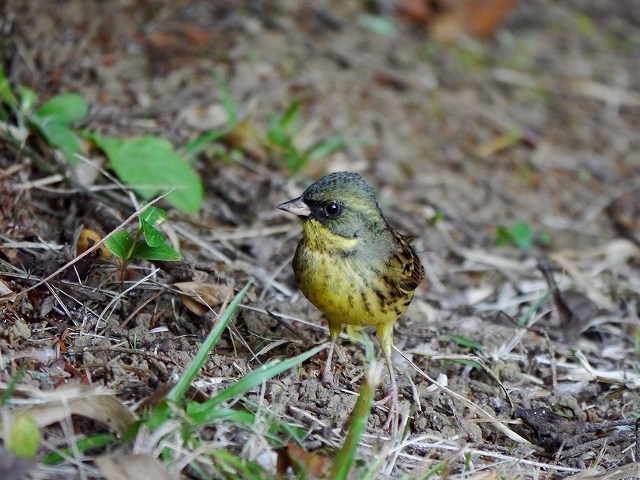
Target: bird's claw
327 378
392 414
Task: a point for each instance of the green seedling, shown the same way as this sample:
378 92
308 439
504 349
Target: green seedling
52 120
521 235
148 243
204 142
281 135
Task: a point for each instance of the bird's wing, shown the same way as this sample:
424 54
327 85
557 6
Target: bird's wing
406 264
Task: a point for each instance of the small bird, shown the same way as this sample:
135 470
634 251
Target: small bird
351 264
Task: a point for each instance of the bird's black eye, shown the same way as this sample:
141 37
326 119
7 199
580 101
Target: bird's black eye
332 209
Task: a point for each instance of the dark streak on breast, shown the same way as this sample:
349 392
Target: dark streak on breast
365 303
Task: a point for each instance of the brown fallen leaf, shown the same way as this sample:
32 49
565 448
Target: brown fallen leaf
82 400
498 144
131 467
5 291
88 238
201 297
449 20
306 464
246 137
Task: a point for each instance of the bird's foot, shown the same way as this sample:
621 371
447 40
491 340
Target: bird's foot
392 413
327 378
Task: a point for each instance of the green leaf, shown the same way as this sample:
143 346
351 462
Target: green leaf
346 455
120 244
151 217
64 109
59 136
466 342
178 392
195 147
13 385
228 103
152 236
436 218
163 252
6 94
94 441
27 98
522 235
150 165
519 234
251 380
24 436
465 362
326 147
291 116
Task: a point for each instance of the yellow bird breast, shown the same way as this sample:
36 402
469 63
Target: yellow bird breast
347 290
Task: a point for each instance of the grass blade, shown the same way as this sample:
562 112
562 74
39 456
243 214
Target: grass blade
180 389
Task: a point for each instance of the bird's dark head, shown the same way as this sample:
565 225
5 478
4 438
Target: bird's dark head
343 202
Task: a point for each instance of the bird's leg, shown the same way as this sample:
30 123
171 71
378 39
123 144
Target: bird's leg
327 376
385 335
392 397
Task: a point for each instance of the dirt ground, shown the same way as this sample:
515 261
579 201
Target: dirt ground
538 124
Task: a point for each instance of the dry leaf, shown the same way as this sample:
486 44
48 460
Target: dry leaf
247 137
497 144
88 238
201 297
81 400
131 467
416 11
311 465
451 19
5 291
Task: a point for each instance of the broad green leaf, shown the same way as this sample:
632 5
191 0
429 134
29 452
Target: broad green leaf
519 234
120 244
59 136
150 165
153 215
163 252
24 436
64 109
152 236
522 234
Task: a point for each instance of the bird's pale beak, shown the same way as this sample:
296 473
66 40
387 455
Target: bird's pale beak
296 206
